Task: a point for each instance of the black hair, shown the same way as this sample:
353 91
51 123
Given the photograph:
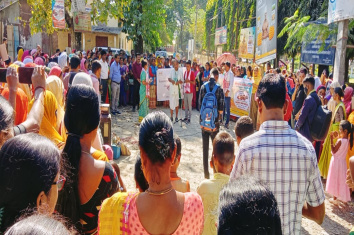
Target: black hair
207 63
278 70
215 72
82 116
249 68
271 90
57 50
178 145
116 56
40 224
4 39
143 63
224 148
96 65
7 115
156 137
18 48
137 54
103 52
339 92
346 125
244 127
248 207
189 62
139 175
201 74
310 80
75 62
303 70
228 64
29 164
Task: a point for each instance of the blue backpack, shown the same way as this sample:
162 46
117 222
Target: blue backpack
209 109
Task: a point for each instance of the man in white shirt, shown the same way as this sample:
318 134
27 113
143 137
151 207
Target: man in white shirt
175 84
104 75
283 159
227 88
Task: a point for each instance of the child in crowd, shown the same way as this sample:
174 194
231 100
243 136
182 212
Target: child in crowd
243 128
247 206
337 169
222 161
139 177
178 184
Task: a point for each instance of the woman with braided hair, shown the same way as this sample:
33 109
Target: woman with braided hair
160 209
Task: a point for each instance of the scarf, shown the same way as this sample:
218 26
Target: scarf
21 104
56 71
63 60
348 93
48 127
24 55
19 55
82 66
39 61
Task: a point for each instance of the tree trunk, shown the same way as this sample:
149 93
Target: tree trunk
346 66
181 38
139 46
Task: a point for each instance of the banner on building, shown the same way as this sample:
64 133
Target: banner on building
266 30
241 99
82 22
220 36
58 14
340 10
246 46
311 54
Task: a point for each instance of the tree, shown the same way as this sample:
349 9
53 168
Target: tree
142 20
41 20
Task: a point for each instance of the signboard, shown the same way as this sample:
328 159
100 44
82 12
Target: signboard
58 14
246 47
310 52
266 30
78 6
82 22
241 97
163 85
340 10
220 36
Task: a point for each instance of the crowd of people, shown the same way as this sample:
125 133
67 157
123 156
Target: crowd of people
56 175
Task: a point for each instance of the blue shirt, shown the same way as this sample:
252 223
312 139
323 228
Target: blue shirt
114 72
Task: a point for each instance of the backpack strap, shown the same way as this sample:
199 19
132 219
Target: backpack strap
207 87
215 88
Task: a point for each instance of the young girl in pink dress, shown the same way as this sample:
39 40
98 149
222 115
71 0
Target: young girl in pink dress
338 167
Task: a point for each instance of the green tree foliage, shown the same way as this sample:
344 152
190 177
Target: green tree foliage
142 21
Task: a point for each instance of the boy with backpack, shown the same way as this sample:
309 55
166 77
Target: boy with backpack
211 101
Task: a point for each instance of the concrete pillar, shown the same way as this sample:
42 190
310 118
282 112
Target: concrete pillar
339 62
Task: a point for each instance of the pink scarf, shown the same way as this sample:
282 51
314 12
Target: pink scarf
82 66
348 93
25 54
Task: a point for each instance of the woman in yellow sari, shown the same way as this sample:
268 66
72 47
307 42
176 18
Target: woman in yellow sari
338 115
49 126
55 85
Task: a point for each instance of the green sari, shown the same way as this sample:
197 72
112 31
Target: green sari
326 154
144 100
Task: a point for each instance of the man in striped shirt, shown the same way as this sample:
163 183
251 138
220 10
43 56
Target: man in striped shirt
283 158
